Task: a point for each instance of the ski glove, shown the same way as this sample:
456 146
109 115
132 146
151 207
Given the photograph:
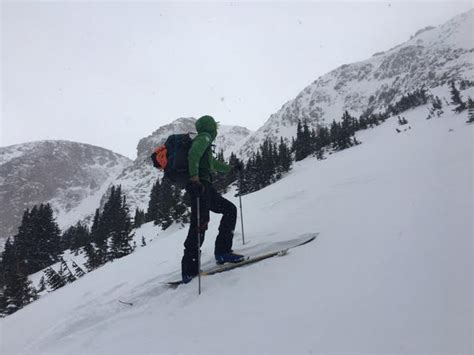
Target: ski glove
197 188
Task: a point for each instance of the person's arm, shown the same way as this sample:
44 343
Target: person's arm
220 166
199 146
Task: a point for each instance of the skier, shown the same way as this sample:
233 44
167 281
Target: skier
201 164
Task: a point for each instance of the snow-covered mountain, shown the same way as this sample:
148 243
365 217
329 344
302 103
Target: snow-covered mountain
75 177
390 272
431 58
138 179
71 176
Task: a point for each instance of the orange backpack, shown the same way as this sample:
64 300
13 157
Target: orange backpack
172 158
159 157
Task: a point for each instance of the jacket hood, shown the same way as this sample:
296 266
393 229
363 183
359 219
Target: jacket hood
207 124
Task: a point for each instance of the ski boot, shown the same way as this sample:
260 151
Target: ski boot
229 258
187 278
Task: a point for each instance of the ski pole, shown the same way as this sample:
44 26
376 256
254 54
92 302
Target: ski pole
240 203
199 241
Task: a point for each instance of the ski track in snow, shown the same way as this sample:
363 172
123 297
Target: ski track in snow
391 271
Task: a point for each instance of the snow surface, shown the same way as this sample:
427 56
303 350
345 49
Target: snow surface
390 272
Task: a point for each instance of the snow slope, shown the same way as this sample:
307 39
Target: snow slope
391 271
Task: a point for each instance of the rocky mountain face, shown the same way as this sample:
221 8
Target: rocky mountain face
71 176
138 179
432 57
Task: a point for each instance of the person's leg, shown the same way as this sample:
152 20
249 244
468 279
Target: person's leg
219 204
189 263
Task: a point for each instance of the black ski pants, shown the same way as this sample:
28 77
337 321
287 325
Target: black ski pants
209 200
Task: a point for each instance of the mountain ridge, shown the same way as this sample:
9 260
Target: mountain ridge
431 58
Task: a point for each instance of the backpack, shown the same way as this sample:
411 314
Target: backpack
172 158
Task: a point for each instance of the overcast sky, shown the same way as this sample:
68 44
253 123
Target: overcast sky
110 73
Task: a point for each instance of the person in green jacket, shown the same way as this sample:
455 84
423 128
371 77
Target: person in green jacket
201 165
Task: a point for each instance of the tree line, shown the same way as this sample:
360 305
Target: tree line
39 244
271 160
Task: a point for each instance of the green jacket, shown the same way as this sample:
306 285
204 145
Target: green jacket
200 159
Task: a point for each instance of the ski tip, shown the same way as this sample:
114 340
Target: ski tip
126 303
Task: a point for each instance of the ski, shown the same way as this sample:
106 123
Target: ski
256 254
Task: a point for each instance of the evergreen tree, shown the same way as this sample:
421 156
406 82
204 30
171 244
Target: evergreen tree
120 226
306 138
49 232
38 239
470 106
245 184
284 156
78 270
259 178
62 273
465 84
436 107
17 289
335 134
437 104
318 142
267 163
54 279
75 237
220 155
154 202
223 181
139 218
323 138
249 177
346 131
302 143
68 275
106 225
298 143
3 300
92 256
363 121
167 202
42 285
95 224
265 166
456 99
143 241
402 121
179 211
408 101
234 161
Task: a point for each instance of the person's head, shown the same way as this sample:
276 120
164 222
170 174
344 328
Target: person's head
207 124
